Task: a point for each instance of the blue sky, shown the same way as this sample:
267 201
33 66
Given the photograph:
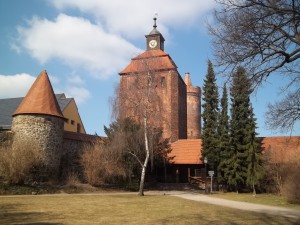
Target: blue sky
84 44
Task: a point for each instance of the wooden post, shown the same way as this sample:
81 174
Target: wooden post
189 175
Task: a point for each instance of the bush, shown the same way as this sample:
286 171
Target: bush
291 184
291 187
282 176
17 162
100 165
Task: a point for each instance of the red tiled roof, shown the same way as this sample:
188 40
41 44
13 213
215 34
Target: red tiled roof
40 99
186 151
281 149
278 149
153 60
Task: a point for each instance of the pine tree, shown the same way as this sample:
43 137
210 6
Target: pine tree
255 169
224 137
210 140
236 172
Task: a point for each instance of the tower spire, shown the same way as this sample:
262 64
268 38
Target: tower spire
154 39
154 19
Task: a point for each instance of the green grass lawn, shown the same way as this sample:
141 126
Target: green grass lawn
123 209
266 199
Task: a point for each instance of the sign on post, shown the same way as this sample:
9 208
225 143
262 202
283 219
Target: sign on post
211 174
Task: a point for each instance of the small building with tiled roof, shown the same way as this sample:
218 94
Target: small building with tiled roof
186 160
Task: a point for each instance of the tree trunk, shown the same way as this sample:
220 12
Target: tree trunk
144 168
253 187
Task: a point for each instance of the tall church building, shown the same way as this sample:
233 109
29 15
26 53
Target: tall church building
151 84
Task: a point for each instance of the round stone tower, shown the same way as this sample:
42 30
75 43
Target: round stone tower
193 108
39 120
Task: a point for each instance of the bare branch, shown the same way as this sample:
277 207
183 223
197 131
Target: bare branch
260 35
284 114
136 157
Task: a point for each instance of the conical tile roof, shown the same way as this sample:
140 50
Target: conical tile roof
40 99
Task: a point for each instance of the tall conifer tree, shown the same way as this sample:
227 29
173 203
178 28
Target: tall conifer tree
255 169
236 171
224 137
210 139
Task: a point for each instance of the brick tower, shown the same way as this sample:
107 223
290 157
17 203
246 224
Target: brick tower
193 108
38 119
166 92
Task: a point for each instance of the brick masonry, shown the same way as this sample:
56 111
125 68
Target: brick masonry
167 101
193 112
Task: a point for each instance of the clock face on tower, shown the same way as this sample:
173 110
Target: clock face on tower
152 43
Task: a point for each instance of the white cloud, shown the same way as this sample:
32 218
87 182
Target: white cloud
133 17
12 86
75 88
75 79
17 85
54 80
80 94
77 43
102 48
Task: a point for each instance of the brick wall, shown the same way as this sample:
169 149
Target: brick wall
193 112
168 101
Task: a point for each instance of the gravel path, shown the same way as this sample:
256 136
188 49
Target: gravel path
272 210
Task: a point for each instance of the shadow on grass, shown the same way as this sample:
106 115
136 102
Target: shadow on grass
10 214
229 219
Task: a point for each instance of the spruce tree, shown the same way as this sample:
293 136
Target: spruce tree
224 137
210 139
255 169
237 169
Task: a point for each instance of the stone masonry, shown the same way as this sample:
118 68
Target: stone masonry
46 132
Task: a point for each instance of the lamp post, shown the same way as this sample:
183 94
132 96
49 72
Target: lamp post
205 162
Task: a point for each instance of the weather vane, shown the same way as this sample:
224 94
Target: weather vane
155 18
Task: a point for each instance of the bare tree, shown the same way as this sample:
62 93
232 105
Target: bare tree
284 114
113 102
100 164
21 163
143 103
143 110
262 36
282 166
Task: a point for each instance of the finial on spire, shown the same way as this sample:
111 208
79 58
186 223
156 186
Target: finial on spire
155 18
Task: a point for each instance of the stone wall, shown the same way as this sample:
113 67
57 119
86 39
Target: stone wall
73 147
44 131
